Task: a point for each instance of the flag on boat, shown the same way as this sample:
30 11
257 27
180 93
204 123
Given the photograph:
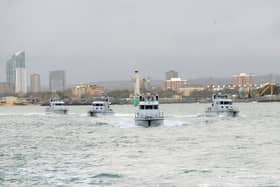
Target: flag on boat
136 101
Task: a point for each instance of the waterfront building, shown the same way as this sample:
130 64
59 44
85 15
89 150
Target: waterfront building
87 90
171 74
243 80
21 81
35 83
16 61
57 81
189 90
175 83
8 101
6 89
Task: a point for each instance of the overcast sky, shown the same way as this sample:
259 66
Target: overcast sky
101 40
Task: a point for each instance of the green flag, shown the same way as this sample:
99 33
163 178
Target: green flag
136 101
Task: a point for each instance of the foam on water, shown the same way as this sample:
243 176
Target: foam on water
84 115
123 115
185 116
34 114
174 123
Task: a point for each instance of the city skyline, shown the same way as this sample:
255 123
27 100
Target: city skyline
18 60
98 41
46 84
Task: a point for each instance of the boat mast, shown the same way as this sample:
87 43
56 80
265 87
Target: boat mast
136 88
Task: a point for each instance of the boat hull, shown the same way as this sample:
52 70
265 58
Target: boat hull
232 113
151 122
64 111
99 114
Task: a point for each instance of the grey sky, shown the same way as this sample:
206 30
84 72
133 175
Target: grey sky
96 40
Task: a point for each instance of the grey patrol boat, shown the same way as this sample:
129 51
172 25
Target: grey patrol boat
100 108
57 106
221 106
148 113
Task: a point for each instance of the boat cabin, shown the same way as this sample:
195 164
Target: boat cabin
221 102
148 107
101 106
57 106
148 102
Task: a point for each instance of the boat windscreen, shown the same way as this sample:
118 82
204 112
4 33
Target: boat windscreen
97 104
148 107
226 103
58 104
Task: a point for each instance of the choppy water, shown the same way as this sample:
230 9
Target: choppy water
38 149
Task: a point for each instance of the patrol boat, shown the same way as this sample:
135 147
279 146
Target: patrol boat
148 113
99 108
221 106
57 106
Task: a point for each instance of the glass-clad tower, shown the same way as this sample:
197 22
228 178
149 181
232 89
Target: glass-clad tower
16 61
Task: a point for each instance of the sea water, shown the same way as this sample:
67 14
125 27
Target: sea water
39 149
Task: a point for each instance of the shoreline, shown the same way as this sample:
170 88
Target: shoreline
198 102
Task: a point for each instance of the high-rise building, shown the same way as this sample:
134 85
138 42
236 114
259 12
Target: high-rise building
20 59
35 83
171 74
11 72
16 61
21 81
243 80
57 81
